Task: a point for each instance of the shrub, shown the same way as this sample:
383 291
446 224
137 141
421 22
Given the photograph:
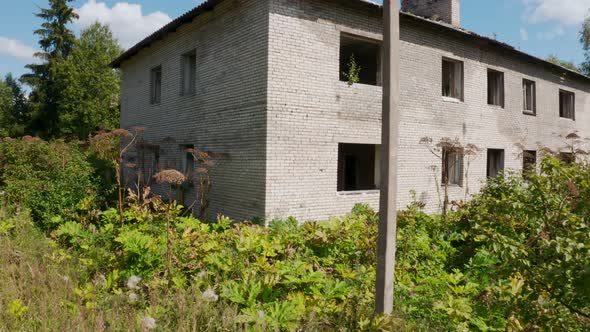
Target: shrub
49 178
527 244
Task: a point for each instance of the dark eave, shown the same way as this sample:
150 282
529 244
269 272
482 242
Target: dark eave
209 5
169 28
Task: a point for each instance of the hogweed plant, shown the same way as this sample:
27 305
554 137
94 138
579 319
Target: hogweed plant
112 146
451 153
172 179
206 162
574 145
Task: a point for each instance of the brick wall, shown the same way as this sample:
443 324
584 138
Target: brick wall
226 114
269 99
310 111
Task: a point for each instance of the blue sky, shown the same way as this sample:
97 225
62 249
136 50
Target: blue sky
539 27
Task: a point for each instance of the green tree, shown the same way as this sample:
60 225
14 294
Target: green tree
90 87
56 41
566 64
6 106
19 112
585 40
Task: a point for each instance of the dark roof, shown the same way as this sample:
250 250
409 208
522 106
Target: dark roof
171 27
209 5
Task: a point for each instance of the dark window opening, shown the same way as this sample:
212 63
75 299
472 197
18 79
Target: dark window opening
358 167
529 96
567 105
452 167
567 157
495 88
156 85
452 79
495 162
188 73
188 161
148 162
366 54
529 163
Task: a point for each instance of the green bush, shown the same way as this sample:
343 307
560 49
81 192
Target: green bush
527 245
49 178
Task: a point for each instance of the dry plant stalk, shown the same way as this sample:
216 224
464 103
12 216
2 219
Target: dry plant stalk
172 178
111 146
440 149
206 162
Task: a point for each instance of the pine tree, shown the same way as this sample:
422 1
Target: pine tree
56 42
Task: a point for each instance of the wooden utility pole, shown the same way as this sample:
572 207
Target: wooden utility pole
389 153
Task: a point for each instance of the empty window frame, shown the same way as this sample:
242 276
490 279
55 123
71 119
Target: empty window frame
188 160
495 88
358 167
567 102
149 160
366 54
529 96
188 67
529 163
452 79
452 167
567 157
156 85
495 162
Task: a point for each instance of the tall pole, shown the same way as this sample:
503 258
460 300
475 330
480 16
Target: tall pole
389 156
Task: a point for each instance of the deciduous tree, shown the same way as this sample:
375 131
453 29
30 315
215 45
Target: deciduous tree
89 86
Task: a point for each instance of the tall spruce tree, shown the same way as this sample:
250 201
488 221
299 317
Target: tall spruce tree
56 41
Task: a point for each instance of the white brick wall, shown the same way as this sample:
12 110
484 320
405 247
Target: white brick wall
227 112
269 98
310 111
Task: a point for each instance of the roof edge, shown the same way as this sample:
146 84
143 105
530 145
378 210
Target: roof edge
171 27
209 5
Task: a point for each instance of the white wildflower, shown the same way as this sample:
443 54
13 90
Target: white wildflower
210 296
201 275
66 279
133 297
133 282
99 280
260 314
148 323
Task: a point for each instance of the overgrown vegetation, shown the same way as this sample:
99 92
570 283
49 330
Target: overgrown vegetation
49 179
515 258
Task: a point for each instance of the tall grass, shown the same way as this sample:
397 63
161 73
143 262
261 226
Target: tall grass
41 292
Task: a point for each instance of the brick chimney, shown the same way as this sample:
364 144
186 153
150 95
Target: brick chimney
448 11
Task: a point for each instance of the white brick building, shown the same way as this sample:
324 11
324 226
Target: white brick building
261 81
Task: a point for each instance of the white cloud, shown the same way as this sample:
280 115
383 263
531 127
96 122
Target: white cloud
524 34
127 21
563 12
557 31
16 49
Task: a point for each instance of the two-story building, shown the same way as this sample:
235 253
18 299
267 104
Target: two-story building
264 83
